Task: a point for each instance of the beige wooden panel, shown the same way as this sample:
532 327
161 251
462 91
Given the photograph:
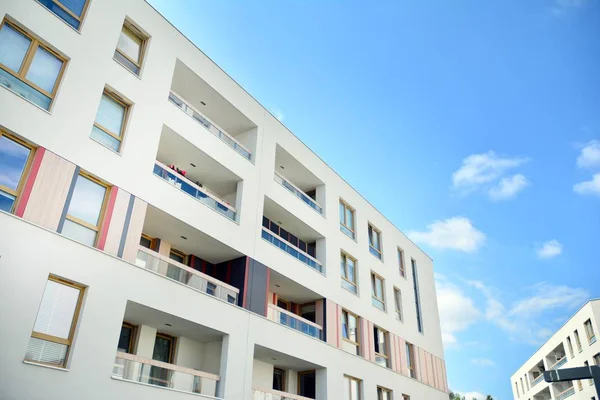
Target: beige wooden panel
136 223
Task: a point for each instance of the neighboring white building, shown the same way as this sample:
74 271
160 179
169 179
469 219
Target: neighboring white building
573 345
163 236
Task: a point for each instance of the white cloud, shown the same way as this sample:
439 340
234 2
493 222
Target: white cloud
455 233
483 362
457 311
589 187
590 155
550 249
277 113
508 187
548 297
473 395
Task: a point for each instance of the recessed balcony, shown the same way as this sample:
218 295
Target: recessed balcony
563 390
536 374
557 357
215 114
543 395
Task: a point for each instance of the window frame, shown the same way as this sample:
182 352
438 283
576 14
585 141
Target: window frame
410 360
127 23
357 333
379 251
283 373
386 338
577 341
21 74
401 263
570 346
398 304
173 343
343 223
374 277
26 167
359 381
589 329
127 109
417 294
179 253
54 339
71 13
381 390
345 256
134 329
102 207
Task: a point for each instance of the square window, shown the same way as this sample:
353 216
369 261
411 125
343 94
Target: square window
131 47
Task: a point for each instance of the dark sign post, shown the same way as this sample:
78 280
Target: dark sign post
575 374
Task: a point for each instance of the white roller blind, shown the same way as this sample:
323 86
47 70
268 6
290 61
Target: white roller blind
57 309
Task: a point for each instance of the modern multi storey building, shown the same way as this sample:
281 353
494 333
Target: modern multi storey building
573 345
162 236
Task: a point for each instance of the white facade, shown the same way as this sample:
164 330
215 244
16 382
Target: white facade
573 345
234 344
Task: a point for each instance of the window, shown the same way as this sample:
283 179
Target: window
522 386
131 47
146 241
417 298
85 209
405 397
570 345
589 331
278 379
401 263
54 328
398 303
380 340
177 255
517 389
70 11
410 360
377 291
352 388
577 341
109 124
27 67
375 241
347 219
350 329
15 157
383 393
126 338
348 271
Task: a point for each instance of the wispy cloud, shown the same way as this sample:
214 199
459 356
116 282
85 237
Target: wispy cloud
591 187
487 172
276 111
483 362
589 157
549 249
560 7
472 395
456 233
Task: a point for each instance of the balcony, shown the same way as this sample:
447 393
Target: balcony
565 393
206 106
543 394
192 171
265 394
537 380
291 320
559 363
146 352
557 357
299 180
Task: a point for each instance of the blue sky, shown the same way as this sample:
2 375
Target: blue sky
473 125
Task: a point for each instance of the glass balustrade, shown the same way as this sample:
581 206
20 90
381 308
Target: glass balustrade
298 193
295 322
291 250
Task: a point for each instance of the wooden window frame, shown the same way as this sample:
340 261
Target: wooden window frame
398 304
288 304
357 318
134 331
179 253
173 340
54 339
121 135
359 381
410 360
143 46
405 397
300 373
386 338
375 276
401 263
596 358
26 168
102 207
381 390
284 377
71 13
570 346
379 250
345 256
353 211
26 63
578 341
589 329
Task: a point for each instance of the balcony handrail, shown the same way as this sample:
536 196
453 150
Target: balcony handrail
172 367
296 316
565 392
297 188
188 269
186 180
180 97
537 380
282 394
291 245
559 363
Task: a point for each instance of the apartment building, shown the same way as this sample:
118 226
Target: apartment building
573 345
163 236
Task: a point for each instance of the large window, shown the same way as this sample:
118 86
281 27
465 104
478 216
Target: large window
52 335
126 338
410 360
28 67
350 329
348 271
375 242
131 47
401 266
398 303
377 291
589 331
85 210
570 346
15 156
417 297
347 219
384 394
380 341
70 11
577 340
109 124
352 388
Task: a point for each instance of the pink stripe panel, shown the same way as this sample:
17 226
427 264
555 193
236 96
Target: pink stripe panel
107 217
403 357
35 167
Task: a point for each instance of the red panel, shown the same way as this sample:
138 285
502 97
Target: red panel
107 217
35 167
246 282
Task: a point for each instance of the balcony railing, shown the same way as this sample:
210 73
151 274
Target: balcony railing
270 394
202 120
298 193
294 321
592 339
184 184
291 250
129 367
559 363
181 273
537 380
567 393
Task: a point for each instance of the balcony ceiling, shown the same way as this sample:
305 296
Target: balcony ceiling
290 290
282 360
219 110
275 212
174 149
294 171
